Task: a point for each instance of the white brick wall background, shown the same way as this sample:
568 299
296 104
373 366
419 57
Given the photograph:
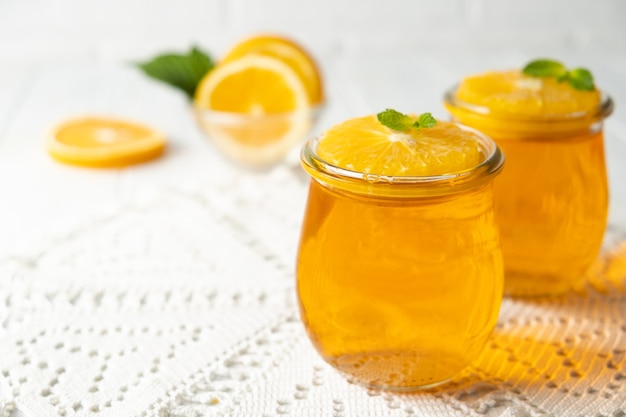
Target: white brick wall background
44 31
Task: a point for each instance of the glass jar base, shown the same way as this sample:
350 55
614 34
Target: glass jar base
400 390
397 371
522 284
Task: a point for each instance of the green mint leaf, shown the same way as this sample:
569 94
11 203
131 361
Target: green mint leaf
578 78
427 120
395 120
180 71
545 68
563 77
581 79
401 122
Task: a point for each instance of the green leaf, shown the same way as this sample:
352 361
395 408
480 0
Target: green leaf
545 68
427 120
581 79
395 120
180 71
401 122
578 78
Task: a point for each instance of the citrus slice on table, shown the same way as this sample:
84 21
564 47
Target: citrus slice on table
290 53
512 92
365 145
104 142
254 108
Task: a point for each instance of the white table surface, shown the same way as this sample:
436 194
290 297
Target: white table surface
40 197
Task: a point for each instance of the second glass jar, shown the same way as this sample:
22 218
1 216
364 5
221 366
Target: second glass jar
552 199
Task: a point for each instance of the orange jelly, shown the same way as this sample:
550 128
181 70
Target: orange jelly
552 198
399 269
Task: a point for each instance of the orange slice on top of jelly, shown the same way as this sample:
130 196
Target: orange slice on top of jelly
365 145
512 92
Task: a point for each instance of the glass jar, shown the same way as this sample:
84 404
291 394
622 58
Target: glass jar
552 199
399 279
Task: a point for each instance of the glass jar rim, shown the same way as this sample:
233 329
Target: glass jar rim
601 111
400 185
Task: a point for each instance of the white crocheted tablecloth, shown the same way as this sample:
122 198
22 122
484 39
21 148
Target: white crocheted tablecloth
181 303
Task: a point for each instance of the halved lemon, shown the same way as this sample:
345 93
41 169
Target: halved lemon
367 146
104 142
287 51
255 108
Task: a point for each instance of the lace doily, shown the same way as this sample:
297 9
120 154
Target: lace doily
181 303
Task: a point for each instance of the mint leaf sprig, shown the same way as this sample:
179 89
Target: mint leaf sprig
179 70
579 78
402 123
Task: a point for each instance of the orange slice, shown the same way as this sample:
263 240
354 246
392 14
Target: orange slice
254 108
512 92
365 145
290 53
104 142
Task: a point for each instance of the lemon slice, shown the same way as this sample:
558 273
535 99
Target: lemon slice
365 145
104 142
254 108
287 51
